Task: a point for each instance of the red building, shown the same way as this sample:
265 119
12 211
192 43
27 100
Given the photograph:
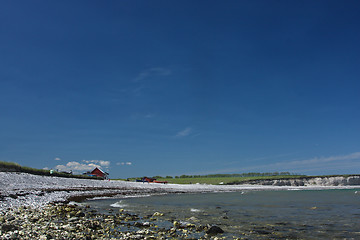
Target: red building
99 173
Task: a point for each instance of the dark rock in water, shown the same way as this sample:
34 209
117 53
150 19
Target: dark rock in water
263 232
14 196
80 214
137 224
8 227
214 230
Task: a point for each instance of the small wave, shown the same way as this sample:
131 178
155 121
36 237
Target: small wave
136 196
194 210
100 198
119 205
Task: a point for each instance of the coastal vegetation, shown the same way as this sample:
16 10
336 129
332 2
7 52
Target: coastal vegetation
225 179
14 167
230 179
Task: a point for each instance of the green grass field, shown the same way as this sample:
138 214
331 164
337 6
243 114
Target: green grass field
233 180
223 180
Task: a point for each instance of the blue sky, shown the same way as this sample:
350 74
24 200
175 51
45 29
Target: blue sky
181 87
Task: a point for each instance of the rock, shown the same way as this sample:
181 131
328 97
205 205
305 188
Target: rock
137 224
176 224
73 219
80 214
34 219
157 214
10 218
193 219
14 196
214 230
8 227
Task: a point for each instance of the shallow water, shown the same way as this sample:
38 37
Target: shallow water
304 214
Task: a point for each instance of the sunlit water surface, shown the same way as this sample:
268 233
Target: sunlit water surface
306 214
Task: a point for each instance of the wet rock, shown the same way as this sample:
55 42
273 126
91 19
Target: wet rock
214 230
137 224
263 232
157 214
8 227
73 219
80 214
14 196
193 219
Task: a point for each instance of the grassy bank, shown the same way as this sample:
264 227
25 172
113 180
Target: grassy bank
14 167
223 180
227 180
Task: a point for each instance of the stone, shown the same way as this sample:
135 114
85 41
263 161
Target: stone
73 219
8 227
157 214
214 230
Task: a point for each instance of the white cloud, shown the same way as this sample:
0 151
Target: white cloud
57 159
46 168
183 133
152 72
99 162
87 165
124 163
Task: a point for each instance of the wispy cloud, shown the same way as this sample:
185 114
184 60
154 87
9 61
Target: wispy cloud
137 116
323 164
152 72
185 132
85 165
57 159
320 160
150 115
124 163
317 165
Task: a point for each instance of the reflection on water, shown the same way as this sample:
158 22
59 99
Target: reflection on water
255 214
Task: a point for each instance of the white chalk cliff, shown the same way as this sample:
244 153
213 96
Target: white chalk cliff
310 181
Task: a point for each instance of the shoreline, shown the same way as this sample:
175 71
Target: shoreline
23 189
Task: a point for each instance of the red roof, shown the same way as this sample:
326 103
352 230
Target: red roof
99 172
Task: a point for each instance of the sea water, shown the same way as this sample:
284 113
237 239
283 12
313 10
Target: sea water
303 214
